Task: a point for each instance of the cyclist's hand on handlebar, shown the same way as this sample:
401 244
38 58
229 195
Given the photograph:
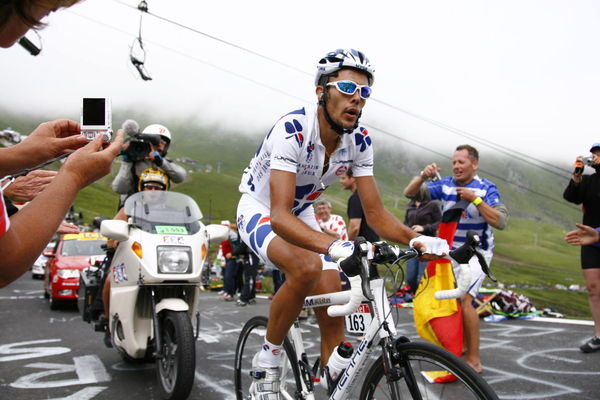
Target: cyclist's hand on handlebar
339 250
431 247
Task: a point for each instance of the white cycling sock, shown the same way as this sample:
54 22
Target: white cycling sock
270 355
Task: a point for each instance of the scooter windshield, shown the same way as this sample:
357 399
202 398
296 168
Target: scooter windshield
163 212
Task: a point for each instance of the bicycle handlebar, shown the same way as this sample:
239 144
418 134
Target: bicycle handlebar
356 267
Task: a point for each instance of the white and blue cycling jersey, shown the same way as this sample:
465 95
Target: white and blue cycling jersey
471 219
294 145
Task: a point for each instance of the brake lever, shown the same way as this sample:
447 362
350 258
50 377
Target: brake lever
484 267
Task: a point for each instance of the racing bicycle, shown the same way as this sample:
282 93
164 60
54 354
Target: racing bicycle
384 364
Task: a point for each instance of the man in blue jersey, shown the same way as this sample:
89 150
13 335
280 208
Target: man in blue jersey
305 152
485 211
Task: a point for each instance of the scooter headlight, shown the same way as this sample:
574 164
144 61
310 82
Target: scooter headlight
174 259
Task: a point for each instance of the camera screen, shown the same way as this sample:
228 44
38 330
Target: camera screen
94 111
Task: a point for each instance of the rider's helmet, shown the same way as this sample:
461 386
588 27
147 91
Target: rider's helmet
160 130
153 176
343 58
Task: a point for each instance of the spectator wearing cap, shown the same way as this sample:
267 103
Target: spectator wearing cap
585 190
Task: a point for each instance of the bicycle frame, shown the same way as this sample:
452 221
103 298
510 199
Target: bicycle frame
382 323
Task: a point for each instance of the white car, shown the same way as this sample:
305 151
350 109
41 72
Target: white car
39 266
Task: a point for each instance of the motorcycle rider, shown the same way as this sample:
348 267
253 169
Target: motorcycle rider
150 179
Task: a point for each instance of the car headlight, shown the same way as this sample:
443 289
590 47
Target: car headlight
174 259
67 273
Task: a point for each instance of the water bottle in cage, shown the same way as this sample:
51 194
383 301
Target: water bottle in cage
338 361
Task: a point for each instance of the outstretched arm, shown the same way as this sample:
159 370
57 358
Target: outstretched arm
34 225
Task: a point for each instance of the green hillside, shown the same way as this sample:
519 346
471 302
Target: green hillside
530 253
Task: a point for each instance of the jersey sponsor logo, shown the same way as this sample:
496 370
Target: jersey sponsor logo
341 170
309 151
258 228
362 139
294 129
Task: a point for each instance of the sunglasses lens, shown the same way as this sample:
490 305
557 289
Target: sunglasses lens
347 87
365 92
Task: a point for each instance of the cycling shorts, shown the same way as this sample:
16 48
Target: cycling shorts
590 257
477 274
254 227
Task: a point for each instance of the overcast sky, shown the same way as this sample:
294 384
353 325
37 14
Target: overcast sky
522 73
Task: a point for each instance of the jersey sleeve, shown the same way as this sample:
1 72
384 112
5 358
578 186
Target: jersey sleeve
435 189
363 159
492 196
287 139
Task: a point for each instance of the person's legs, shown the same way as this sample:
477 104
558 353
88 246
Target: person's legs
471 332
592 282
229 278
302 270
332 329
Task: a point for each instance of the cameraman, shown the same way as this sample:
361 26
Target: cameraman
585 189
142 151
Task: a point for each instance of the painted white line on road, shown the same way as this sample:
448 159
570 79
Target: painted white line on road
218 386
564 321
84 394
20 297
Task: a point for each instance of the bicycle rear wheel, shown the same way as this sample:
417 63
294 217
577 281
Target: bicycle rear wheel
249 343
414 371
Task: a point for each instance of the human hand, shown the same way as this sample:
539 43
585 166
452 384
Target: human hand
66 227
584 236
51 139
25 188
339 250
431 247
430 171
91 162
417 228
466 194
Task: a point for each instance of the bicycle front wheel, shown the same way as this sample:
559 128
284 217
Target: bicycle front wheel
249 343
415 372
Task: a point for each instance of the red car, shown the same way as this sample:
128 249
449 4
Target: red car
72 253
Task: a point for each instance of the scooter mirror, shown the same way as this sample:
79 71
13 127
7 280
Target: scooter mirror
115 229
217 233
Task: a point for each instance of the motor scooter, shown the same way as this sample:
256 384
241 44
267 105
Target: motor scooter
154 276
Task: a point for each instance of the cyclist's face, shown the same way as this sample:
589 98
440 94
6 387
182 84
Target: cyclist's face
463 168
344 108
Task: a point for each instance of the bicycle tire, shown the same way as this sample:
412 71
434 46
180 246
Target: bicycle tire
420 357
249 343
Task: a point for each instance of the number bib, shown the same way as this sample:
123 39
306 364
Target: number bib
358 321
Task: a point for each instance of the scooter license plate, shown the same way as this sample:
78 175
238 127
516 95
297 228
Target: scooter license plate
358 321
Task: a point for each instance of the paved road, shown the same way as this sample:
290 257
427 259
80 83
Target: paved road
54 355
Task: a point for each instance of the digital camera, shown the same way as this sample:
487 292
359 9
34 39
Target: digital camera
96 118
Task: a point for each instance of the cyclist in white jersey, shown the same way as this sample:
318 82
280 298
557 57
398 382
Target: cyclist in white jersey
305 152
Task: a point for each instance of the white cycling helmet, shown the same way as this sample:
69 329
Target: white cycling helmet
157 129
343 58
